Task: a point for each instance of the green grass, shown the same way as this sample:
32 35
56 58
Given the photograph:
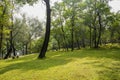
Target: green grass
85 64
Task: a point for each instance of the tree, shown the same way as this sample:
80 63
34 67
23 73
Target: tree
58 14
5 7
47 33
12 47
97 12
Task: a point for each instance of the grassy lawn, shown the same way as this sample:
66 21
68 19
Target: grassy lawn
84 64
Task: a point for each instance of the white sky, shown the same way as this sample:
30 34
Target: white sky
115 4
38 10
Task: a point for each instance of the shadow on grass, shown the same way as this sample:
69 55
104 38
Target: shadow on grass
61 58
35 64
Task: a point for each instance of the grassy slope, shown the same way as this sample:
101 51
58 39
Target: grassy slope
85 64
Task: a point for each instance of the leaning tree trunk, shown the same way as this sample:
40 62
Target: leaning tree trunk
47 33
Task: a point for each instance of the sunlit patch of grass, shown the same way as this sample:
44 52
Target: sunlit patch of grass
84 64
111 46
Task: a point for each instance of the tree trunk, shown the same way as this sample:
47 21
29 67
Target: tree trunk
90 36
63 33
1 29
78 44
83 42
100 30
72 40
47 33
72 33
1 38
26 48
58 44
8 53
23 49
95 36
11 48
64 42
14 50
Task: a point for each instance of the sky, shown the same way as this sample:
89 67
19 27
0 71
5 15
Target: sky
115 4
38 10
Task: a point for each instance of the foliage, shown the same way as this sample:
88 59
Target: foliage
25 31
37 45
5 23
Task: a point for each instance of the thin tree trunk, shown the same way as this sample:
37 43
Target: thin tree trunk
100 30
72 26
63 33
26 48
64 42
95 36
8 53
47 34
83 42
58 44
1 39
78 44
23 49
90 36
95 28
72 33
72 40
2 55
11 48
1 30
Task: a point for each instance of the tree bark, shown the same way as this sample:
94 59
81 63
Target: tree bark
11 48
100 30
47 33
8 53
90 36
72 26
58 42
1 29
78 44
63 33
26 48
72 33
95 36
1 38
